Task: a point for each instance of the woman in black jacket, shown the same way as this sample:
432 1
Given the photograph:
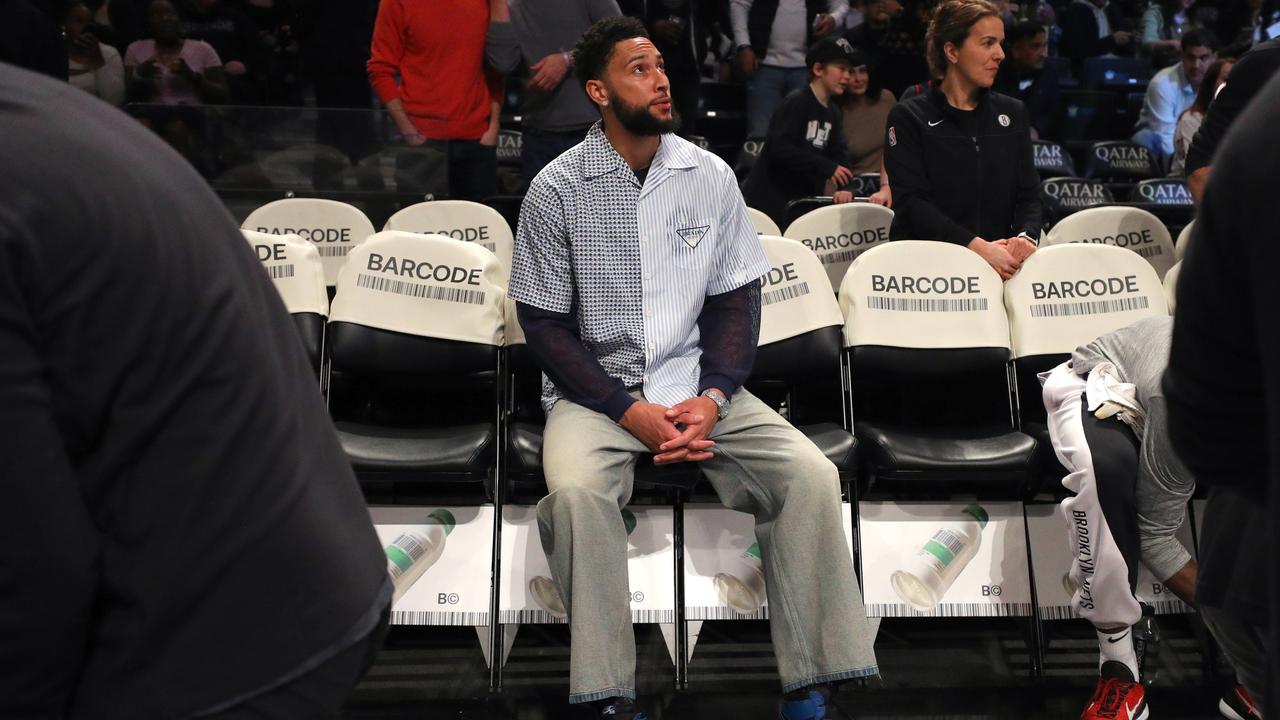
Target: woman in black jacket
959 155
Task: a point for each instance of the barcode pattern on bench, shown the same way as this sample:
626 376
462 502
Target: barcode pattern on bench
431 617
951 610
719 612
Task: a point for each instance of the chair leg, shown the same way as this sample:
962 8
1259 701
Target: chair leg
682 628
1036 638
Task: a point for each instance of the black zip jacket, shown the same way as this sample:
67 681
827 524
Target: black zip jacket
804 146
956 174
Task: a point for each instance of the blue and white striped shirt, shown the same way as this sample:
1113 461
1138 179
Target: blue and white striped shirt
633 262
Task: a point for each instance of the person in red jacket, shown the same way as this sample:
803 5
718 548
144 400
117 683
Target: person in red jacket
427 67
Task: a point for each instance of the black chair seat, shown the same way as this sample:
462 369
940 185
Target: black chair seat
837 444
310 327
463 449
525 448
971 460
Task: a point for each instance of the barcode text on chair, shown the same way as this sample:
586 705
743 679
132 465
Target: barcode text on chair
789 292
1090 307
333 250
420 290
279 272
920 304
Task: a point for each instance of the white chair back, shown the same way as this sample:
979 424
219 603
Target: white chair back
1171 286
333 227
460 220
1184 237
426 285
764 224
794 298
1126 227
839 233
1066 295
295 269
923 294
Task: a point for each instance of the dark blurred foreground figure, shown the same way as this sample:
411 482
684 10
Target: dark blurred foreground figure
180 532
1224 405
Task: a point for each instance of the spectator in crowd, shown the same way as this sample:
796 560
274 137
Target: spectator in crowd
1164 24
892 40
334 37
30 39
855 17
959 155
1093 28
1190 120
1242 23
1171 91
1025 76
1247 78
427 66
1221 386
232 35
805 152
1129 496
163 443
556 114
679 29
655 364
169 69
92 66
865 107
771 37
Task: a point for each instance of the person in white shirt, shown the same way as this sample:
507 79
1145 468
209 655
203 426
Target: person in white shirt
771 37
1171 92
92 66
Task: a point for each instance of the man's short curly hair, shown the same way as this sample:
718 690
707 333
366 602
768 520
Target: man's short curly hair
592 53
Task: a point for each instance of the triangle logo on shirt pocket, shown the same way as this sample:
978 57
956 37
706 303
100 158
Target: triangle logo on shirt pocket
693 235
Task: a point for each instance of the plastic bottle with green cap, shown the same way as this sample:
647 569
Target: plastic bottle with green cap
416 550
544 589
741 584
928 574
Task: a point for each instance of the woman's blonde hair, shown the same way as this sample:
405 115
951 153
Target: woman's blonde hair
952 20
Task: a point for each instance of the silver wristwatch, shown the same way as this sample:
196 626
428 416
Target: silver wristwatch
722 402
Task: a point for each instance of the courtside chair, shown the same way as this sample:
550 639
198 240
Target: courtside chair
1063 297
1062 196
1128 227
1052 159
460 220
1120 161
334 227
298 275
415 340
1184 239
1171 286
763 224
927 348
839 233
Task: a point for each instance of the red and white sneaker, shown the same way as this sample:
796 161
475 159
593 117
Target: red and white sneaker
1238 705
1118 696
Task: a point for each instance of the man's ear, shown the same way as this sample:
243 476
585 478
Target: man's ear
597 92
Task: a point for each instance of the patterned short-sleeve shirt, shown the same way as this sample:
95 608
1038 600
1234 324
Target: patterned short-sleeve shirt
633 263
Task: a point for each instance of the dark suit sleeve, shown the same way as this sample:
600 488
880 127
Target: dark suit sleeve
912 195
1026 209
48 543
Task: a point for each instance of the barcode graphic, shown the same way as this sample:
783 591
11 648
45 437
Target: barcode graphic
1148 252
419 290
412 548
333 250
719 612
789 292
280 271
894 610
646 617
491 247
912 304
430 617
1089 307
1161 607
842 256
531 617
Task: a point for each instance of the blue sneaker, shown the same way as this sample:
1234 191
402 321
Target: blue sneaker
813 707
621 709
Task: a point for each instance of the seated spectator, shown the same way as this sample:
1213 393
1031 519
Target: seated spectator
168 69
232 35
892 40
92 66
805 153
428 68
1025 76
865 107
771 37
1093 28
1171 92
557 113
1190 120
1163 25
959 155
